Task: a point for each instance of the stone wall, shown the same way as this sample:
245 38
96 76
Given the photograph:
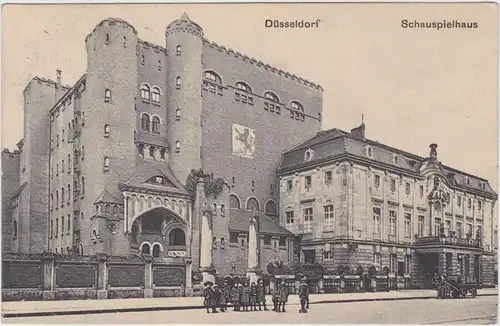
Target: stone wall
55 277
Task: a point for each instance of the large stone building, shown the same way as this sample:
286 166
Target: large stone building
168 151
358 202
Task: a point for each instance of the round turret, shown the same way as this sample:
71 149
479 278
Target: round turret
184 43
108 103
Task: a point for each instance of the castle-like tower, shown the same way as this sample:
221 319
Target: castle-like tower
184 40
106 164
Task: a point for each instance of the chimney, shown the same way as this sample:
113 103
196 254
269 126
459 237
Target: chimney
433 154
58 74
359 132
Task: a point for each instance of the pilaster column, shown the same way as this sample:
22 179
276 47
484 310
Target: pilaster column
188 288
253 247
206 242
48 277
148 277
102 275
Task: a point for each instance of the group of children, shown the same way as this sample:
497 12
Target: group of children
245 296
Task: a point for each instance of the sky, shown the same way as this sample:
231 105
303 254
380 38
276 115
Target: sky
413 87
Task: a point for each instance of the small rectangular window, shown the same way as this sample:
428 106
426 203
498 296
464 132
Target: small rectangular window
328 176
289 185
233 237
308 181
267 240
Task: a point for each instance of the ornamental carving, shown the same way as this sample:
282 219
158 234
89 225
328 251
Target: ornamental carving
438 197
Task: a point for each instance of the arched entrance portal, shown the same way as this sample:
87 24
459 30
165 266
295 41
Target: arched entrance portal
160 232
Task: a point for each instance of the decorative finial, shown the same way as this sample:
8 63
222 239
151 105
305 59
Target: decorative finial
362 118
185 17
433 153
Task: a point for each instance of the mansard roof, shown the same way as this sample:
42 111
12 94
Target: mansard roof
146 171
239 221
335 144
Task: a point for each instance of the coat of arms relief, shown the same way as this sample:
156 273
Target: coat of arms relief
243 141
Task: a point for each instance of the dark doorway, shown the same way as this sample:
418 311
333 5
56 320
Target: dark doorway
429 265
401 269
309 256
477 269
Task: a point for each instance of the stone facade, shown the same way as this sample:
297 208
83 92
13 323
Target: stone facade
105 164
361 203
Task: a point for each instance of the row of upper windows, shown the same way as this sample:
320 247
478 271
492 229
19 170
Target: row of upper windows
147 123
271 208
328 178
298 109
241 239
55 233
395 160
54 201
151 93
81 156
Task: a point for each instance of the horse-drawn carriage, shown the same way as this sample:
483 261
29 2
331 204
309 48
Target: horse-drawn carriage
456 287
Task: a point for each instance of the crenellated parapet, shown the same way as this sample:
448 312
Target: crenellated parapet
150 45
112 22
185 25
258 63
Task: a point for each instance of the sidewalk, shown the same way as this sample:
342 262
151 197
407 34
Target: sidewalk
70 307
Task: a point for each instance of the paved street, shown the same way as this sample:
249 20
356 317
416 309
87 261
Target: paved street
481 310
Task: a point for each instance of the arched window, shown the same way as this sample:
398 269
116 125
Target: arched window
69 163
177 238
212 76
243 87
178 82
272 97
155 94
178 114
62 195
57 198
80 249
106 131
252 204
143 60
62 136
297 111
178 50
107 38
146 249
134 233
69 191
145 122
145 91
156 125
271 208
234 202
177 146
107 95
124 41
222 210
14 229
156 250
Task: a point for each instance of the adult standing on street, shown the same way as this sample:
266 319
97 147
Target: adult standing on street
303 295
